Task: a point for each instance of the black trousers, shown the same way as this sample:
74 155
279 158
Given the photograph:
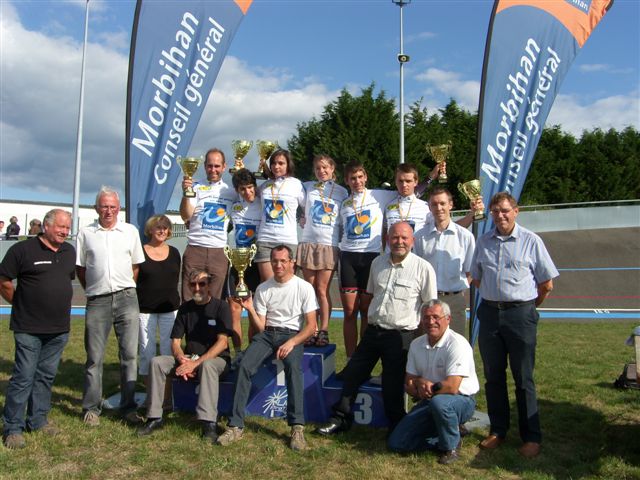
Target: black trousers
510 335
390 346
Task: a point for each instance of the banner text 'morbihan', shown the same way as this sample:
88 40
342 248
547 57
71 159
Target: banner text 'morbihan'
172 62
526 99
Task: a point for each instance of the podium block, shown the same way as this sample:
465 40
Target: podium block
268 397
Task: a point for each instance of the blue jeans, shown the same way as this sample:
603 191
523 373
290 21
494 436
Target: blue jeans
36 364
432 424
121 311
262 346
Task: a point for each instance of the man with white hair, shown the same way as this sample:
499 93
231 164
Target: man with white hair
109 252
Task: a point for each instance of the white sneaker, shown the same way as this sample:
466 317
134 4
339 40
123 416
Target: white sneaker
231 435
91 419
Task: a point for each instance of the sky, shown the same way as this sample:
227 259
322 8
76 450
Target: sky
289 59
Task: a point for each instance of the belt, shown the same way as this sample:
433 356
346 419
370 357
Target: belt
449 293
92 297
280 330
382 329
507 305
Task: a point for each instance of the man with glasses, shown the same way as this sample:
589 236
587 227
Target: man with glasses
205 322
284 314
514 274
108 254
441 376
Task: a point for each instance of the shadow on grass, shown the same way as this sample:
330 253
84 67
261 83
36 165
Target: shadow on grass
578 442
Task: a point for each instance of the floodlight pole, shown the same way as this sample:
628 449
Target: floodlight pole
76 178
402 59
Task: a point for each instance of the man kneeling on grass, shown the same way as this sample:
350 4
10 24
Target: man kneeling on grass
206 324
441 374
283 304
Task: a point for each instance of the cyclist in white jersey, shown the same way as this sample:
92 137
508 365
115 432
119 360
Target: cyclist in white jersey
318 252
281 196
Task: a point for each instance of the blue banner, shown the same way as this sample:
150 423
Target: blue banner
177 49
530 46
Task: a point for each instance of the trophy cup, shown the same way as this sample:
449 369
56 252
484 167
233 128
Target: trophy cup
240 259
440 154
240 150
471 191
265 149
189 165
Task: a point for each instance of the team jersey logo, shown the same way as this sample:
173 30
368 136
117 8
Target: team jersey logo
213 216
245 235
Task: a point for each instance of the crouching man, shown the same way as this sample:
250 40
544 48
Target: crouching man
440 373
285 316
205 322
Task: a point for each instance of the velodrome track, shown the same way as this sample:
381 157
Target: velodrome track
599 277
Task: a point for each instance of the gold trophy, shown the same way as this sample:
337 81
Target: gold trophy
240 258
471 191
440 154
265 149
240 150
189 165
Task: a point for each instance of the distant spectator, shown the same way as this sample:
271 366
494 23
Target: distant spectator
1 225
13 230
35 227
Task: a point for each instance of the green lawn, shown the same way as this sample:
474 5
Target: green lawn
590 429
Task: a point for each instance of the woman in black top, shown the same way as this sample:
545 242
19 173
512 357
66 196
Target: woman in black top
157 291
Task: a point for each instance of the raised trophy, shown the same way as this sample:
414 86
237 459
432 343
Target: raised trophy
265 149
240 258
189 165
240 150
471 191
440 154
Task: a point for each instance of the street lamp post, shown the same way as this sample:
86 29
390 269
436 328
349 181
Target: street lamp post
402 59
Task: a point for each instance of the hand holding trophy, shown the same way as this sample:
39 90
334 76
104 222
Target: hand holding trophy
472 191
240 258
440 153
240 150
189 166
265 149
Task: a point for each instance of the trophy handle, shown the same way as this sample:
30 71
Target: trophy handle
252 252
227 252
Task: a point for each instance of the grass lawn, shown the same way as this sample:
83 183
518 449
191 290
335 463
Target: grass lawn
590 429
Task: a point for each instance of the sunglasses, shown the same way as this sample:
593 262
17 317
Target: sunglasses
201 284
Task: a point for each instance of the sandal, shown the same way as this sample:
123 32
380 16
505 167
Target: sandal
311 341
322 338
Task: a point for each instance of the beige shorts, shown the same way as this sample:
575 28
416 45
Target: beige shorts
317 257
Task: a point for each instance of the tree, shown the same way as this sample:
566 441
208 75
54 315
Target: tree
363 128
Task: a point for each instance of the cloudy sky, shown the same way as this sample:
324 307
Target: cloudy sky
287 61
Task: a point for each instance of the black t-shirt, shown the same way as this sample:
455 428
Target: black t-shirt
201 325
158 283
42 300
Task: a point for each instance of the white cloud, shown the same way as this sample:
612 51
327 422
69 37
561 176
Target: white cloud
595 67
418 37
451 85
40 95
574 115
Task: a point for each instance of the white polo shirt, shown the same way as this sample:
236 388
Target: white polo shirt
285 304
451 356
108 256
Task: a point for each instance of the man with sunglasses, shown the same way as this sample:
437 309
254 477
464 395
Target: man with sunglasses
205 323
514 274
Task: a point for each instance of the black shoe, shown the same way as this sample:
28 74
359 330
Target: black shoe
334 426
448 457
210 431
151 426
